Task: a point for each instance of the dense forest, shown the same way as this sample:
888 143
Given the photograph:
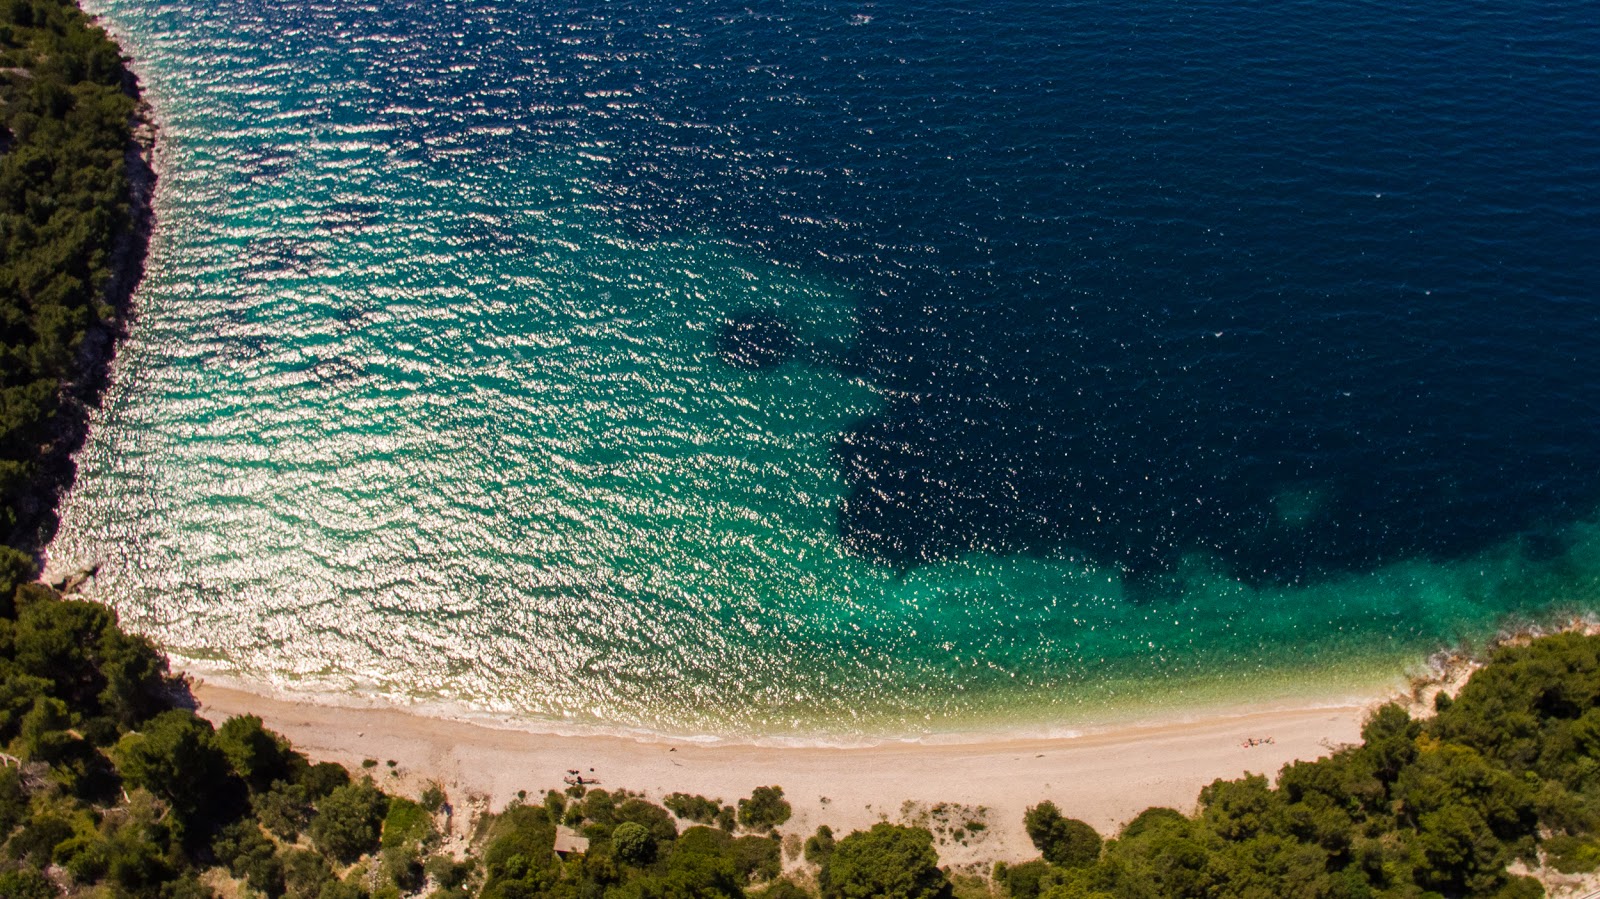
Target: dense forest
111 786
66 210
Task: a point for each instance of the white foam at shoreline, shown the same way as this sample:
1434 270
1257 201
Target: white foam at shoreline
1113 721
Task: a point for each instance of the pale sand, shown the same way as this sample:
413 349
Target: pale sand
1103 778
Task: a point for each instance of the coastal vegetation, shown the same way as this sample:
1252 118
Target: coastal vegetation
65 208
110 785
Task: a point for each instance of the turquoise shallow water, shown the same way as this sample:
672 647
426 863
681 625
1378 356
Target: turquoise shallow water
1089 413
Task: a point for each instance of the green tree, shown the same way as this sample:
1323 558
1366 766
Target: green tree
346 823
698 809
250 856
1239 809
176 757
284 810
519 853
765 809
781 889
819 845
651 817
633 843
689 875
1023 881
886 862
1063 841
305 874
26 884
256 754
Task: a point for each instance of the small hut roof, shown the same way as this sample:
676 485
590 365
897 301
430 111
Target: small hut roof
569 840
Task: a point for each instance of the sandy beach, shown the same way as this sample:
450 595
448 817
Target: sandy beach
1103 778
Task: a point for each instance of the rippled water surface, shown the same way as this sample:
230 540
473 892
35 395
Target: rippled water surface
829 370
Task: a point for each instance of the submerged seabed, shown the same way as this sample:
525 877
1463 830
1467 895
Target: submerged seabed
849 371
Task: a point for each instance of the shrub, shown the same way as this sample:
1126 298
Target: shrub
321 779
250 856
820 845
432 797
346 824
758 858
698 809
1067 842
886 862
781 889
305 874
406 823
633 843
447 872
176 757
765 809
26 884
284 810
256 754
1022 881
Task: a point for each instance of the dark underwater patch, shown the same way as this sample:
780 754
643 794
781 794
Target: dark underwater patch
1129 301
756 341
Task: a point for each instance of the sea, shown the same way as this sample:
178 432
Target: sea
838 372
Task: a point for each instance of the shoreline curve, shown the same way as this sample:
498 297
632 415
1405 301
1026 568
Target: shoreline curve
1103 777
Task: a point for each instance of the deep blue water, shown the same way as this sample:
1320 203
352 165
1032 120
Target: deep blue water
696 366
1137 276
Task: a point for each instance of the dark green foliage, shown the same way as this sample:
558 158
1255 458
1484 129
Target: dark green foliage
340 889
305 874
698 809
16 567
402 867
284 810
347 822
633 844
1168 857
1023 881
88 661
1063 841
256 754
519 853
433 798
752 858
651 817
176 757
406 824
26 884
765 809
13 800
819 845
321 779
250 856
447 872
782 889
1150 819
1239 809
686 875
1571 855
886 862
758 858
64 202
597 807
